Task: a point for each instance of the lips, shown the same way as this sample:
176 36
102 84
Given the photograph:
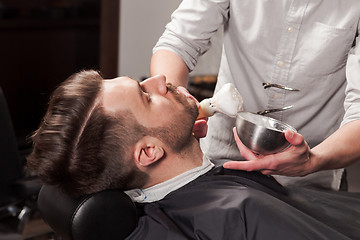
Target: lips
185 92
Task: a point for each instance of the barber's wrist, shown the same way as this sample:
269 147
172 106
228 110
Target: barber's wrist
318 161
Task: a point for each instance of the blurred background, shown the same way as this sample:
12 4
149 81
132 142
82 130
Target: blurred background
41 44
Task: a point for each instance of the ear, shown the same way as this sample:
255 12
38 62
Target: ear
148 151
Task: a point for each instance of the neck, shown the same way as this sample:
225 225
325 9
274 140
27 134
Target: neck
174 164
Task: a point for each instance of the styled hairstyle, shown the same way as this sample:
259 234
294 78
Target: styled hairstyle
80 147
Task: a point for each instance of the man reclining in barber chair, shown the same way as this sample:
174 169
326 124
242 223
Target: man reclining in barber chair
137 137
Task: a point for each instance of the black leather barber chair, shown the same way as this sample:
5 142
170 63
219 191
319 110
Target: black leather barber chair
18 192
104 215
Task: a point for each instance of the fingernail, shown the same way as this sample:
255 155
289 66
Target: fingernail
291 134
225 165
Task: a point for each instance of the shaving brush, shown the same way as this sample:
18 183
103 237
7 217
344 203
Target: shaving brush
227 101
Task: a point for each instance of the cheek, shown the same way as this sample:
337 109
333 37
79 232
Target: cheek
170 105
170 110
164 110
162 113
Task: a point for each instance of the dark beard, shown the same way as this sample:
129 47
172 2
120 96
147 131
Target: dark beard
177 135
191 108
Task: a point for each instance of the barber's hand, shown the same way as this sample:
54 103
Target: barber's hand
294 161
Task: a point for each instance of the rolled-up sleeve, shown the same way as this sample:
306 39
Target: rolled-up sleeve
191 28
352 99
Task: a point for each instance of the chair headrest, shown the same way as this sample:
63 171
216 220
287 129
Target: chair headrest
108 214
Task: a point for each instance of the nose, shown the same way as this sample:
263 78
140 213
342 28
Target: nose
156 84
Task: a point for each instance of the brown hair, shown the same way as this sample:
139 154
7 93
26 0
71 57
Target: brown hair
79 147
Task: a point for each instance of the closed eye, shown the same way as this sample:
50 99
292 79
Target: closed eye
147 95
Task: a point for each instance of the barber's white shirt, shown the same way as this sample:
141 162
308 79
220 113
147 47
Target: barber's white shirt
307 45
159 191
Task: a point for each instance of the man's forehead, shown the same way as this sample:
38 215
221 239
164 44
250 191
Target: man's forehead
118 93
119 80
118 84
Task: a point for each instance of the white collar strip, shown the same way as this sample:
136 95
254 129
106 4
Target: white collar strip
159 191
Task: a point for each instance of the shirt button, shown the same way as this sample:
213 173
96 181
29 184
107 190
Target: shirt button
290 29
276 96
280 63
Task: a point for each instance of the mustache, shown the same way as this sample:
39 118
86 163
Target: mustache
170 87
173 90
193 110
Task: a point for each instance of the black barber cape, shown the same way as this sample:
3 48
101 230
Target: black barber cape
228 204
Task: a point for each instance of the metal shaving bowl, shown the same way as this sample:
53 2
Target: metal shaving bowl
261 134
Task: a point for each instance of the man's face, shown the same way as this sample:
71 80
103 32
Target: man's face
153 103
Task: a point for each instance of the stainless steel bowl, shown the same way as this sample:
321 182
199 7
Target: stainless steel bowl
261 134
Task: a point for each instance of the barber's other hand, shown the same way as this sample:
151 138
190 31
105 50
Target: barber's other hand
294 161
200 128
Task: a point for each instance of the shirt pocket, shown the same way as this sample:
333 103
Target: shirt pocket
324 49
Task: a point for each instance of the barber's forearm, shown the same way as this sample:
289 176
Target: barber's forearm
171 65
339 150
